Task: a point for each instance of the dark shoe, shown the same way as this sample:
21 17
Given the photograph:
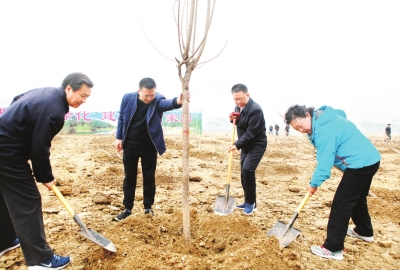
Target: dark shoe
14 245
149 211
249 208
241 206
325 253
123 215
55 262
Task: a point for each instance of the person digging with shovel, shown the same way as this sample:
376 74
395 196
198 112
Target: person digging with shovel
252 141
26 130
339 143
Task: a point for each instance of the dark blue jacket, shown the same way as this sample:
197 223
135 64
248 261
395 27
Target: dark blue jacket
153 117
28 126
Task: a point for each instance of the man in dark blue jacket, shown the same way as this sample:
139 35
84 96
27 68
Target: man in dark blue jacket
140 135
26 131
252 140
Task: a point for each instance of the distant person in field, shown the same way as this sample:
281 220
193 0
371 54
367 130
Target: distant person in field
388 132
339 143
276 129
140 135
271 128
26 131
252 141
287 127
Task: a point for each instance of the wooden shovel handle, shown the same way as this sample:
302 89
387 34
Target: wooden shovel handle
303 202
63 201
231 152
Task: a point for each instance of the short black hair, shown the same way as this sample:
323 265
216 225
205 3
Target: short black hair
239 88
75 80
296 111
148 83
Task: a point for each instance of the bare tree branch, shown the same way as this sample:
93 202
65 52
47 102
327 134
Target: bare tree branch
178 27
208 24
179 66
154 45
195 26
189 31
185 4
202 63
202 42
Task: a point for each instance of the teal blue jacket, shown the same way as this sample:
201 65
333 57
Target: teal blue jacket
339 143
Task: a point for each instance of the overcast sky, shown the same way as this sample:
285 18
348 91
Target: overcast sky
340 53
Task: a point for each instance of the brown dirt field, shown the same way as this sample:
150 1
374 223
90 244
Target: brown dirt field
87 165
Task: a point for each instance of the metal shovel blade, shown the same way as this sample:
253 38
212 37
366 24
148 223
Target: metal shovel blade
89 234
99 239
94 236
223 206
284 235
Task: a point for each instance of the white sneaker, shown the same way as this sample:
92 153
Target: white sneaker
325 253
352 233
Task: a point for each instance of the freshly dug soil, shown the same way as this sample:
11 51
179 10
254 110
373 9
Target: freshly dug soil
90 175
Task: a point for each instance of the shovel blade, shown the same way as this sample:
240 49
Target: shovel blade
98 239
284 236
94 236
224 207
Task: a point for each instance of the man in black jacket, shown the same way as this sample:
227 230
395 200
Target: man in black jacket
287 128
276 129
252 140
388 131
27 128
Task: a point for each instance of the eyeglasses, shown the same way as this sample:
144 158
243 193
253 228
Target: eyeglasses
239 99
147 96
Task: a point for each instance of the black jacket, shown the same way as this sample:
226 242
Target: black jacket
28 126
251 127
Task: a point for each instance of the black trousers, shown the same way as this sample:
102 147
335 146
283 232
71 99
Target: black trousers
249 161
350 201
148 159
21 213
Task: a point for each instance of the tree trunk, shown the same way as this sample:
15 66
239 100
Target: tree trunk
185 156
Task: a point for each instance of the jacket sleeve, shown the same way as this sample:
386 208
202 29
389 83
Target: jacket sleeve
168 104
46 127
121 119
253 129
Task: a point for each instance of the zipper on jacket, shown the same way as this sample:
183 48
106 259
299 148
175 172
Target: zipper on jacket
148 128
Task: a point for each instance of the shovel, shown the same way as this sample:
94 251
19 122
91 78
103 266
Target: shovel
286 233
88 233
224 204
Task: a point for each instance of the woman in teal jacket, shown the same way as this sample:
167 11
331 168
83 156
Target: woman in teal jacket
339 143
